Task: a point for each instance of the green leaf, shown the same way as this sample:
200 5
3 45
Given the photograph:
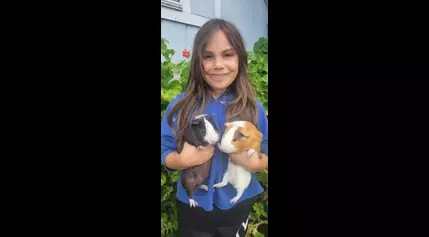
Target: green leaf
174 177
175 85
163 179
166 75
166 192
263 177
253 216
261 46
253 70
265 62
258 208
251 57
258 234
185 74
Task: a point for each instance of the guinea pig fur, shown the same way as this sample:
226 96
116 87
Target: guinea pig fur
239 136
201 132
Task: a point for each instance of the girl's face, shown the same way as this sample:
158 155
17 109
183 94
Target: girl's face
220 62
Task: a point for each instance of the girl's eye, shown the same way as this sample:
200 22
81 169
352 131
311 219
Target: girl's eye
228 55
207 56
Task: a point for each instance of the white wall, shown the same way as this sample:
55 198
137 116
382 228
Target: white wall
250 16
179 35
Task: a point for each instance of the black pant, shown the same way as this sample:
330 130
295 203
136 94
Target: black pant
196 222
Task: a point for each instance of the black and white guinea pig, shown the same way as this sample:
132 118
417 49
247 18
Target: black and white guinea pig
202 131
199 133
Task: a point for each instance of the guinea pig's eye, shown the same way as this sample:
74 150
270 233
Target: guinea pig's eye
234 140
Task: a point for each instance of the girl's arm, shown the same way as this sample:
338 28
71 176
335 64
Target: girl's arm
253 164
190 155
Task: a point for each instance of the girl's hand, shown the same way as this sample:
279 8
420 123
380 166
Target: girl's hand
193 156
253 163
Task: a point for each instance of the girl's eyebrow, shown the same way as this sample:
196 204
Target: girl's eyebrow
226 50
229 50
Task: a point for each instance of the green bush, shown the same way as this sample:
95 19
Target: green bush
173 79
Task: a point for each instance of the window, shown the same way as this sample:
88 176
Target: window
173 4
180 11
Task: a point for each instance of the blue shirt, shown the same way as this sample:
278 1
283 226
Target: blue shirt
221 196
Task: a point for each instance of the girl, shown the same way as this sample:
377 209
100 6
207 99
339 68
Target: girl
218 84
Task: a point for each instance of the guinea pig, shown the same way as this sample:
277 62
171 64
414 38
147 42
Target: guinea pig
201 132
239 136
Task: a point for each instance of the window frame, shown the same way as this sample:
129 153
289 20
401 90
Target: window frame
176 5
171 11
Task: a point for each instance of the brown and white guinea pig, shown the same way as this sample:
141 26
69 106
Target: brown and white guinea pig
201 132
239 136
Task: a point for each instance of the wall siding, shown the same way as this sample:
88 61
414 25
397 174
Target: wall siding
250 16
205 8
180 36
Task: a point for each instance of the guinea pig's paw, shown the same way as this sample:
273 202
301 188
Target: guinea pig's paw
200 147
250 152
192 203
203 186
219 185
234 199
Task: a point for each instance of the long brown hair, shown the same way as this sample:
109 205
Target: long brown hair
197 92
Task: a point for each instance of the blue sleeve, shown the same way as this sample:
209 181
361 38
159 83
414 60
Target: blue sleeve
168 139
263 127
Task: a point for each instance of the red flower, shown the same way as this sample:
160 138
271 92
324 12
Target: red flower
185 53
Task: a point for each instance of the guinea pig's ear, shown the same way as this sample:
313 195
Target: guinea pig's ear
228 124
195 121
244 132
